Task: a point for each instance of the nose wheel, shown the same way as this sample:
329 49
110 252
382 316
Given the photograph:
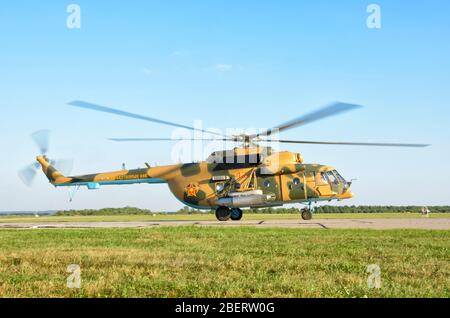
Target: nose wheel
306 214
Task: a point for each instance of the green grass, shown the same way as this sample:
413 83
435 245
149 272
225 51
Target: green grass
224 262
210 217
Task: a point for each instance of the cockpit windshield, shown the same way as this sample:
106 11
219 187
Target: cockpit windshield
333 177
340 178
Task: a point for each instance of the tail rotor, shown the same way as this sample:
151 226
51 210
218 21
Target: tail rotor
41 138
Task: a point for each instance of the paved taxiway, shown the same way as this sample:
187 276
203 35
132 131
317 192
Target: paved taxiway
422 223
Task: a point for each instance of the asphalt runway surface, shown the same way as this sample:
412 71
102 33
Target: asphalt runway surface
422 223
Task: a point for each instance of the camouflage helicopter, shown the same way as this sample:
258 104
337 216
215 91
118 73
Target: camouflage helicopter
248 176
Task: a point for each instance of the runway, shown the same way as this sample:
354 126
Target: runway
380 224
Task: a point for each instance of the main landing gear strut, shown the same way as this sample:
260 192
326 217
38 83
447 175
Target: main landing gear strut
224 214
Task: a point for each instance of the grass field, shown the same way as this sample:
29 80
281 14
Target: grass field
224 262
205 217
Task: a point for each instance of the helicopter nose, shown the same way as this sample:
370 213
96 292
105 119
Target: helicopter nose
346 195
347 192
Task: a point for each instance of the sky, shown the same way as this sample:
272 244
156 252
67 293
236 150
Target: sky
228 64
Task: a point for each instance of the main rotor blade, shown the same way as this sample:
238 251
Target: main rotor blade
41 138
328 111
167 139
333 143
83 104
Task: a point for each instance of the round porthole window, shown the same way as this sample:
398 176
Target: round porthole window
296 181
267 183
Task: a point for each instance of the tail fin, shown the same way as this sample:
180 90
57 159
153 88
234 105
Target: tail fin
53 175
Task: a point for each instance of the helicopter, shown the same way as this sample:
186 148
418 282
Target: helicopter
247 176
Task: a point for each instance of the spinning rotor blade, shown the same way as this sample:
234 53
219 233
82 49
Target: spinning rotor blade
328 111
118 112
325 112
166 139
347 143
41 138
64 166
28 174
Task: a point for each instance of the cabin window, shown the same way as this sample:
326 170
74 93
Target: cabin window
296 181
267 183
219 186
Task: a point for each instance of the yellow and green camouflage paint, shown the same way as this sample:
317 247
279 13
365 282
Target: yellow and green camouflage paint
281 175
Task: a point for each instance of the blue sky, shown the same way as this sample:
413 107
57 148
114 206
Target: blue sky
229 64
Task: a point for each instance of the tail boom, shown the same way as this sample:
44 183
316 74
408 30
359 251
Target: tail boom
94 181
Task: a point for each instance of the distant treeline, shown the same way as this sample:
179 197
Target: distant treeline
319 209
379 209
355 209
106 211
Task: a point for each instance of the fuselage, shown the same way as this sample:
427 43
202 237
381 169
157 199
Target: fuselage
201 185
281 178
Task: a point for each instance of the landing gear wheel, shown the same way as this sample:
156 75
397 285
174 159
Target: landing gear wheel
236 214
223 213
306 214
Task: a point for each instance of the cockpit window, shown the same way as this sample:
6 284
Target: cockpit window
340 178
331 177
323 178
